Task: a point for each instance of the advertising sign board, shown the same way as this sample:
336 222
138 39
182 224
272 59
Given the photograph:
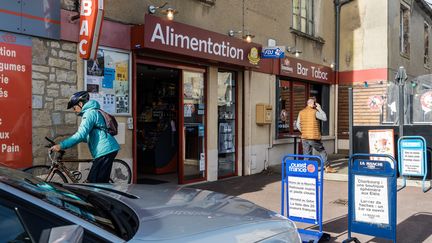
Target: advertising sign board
273 52
302 178
15 100
372 196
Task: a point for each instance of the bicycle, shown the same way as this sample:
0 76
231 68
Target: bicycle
58 172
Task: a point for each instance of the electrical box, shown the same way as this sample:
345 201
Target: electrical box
263 114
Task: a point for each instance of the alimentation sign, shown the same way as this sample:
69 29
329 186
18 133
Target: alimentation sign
15 100
165 35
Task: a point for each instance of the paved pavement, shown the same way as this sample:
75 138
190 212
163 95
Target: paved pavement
414 208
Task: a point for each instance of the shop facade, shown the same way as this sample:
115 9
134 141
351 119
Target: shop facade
186 96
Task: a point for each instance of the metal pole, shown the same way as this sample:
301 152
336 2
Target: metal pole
350 119
400 79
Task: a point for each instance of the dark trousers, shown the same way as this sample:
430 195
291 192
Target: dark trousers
318 146
101 169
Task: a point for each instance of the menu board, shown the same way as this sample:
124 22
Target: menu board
15 100
108 79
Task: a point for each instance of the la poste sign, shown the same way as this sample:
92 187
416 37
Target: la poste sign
91 17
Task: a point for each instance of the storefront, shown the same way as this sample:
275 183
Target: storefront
186 101
299 80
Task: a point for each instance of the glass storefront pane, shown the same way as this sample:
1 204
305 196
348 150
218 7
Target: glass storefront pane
226 123
299 101
284 93
194 132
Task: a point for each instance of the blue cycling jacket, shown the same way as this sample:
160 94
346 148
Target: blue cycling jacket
99 141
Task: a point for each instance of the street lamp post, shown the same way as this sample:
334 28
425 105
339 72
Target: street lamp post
400 80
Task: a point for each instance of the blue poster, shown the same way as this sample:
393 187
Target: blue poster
108 80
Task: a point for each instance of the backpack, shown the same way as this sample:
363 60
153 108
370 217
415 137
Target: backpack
110 122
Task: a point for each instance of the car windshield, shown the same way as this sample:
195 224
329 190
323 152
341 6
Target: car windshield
78 204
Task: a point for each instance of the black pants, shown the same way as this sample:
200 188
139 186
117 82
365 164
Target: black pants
101 169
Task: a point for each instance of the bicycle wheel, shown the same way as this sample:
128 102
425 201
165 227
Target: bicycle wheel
42 171
120 172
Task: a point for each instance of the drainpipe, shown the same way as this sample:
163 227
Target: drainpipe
338 5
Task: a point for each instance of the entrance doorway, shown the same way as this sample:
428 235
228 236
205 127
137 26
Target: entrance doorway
170 108
157 100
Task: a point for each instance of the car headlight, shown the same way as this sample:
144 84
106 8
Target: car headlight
284 237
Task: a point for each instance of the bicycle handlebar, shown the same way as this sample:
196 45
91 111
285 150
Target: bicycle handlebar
52 143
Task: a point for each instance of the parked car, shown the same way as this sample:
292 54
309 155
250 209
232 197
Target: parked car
32 210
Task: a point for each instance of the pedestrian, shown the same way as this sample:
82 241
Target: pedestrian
308 123
92 130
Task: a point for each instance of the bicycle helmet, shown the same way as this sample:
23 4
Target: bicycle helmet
82 96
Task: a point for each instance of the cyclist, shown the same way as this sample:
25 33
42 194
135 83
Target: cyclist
102 145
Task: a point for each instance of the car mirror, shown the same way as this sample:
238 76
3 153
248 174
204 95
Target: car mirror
68 233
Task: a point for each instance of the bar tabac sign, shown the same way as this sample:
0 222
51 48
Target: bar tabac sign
165 35
91 18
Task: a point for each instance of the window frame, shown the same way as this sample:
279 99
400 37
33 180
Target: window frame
304 23
290 108
404 30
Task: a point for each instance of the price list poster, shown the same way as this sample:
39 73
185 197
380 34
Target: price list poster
15 100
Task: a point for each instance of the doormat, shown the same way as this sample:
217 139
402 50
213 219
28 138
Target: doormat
150 181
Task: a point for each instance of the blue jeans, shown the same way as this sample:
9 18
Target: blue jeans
101 169
318 146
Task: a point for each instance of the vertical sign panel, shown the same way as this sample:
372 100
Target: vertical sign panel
15 100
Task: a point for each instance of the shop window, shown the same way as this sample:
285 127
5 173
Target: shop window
404 30
418 97
292 98
426 44
226 123
303 16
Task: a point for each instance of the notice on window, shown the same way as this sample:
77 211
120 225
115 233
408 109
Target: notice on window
371 200
16 100
412 162
302 197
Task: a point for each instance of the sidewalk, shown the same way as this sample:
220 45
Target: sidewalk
414 212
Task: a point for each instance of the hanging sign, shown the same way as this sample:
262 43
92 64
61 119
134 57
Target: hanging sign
15 100
91 17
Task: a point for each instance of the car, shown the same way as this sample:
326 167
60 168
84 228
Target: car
32 210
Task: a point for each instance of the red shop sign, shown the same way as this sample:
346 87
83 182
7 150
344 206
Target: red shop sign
15 100
293 67
164 35
91 18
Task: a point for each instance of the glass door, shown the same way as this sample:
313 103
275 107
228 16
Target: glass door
226 124
193 164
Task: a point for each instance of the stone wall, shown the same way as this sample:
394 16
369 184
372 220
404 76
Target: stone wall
54 80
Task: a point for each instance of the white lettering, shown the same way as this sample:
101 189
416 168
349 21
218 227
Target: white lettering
318 73
84 30
6 52
168 36
183 39
4 79
4 135
157 34
302 70
10 148
81 49
86 7
194 44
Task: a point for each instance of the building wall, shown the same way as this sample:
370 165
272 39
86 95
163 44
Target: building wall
413 63
60 59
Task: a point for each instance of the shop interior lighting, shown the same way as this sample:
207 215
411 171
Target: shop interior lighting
247 37
293 50
169 12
